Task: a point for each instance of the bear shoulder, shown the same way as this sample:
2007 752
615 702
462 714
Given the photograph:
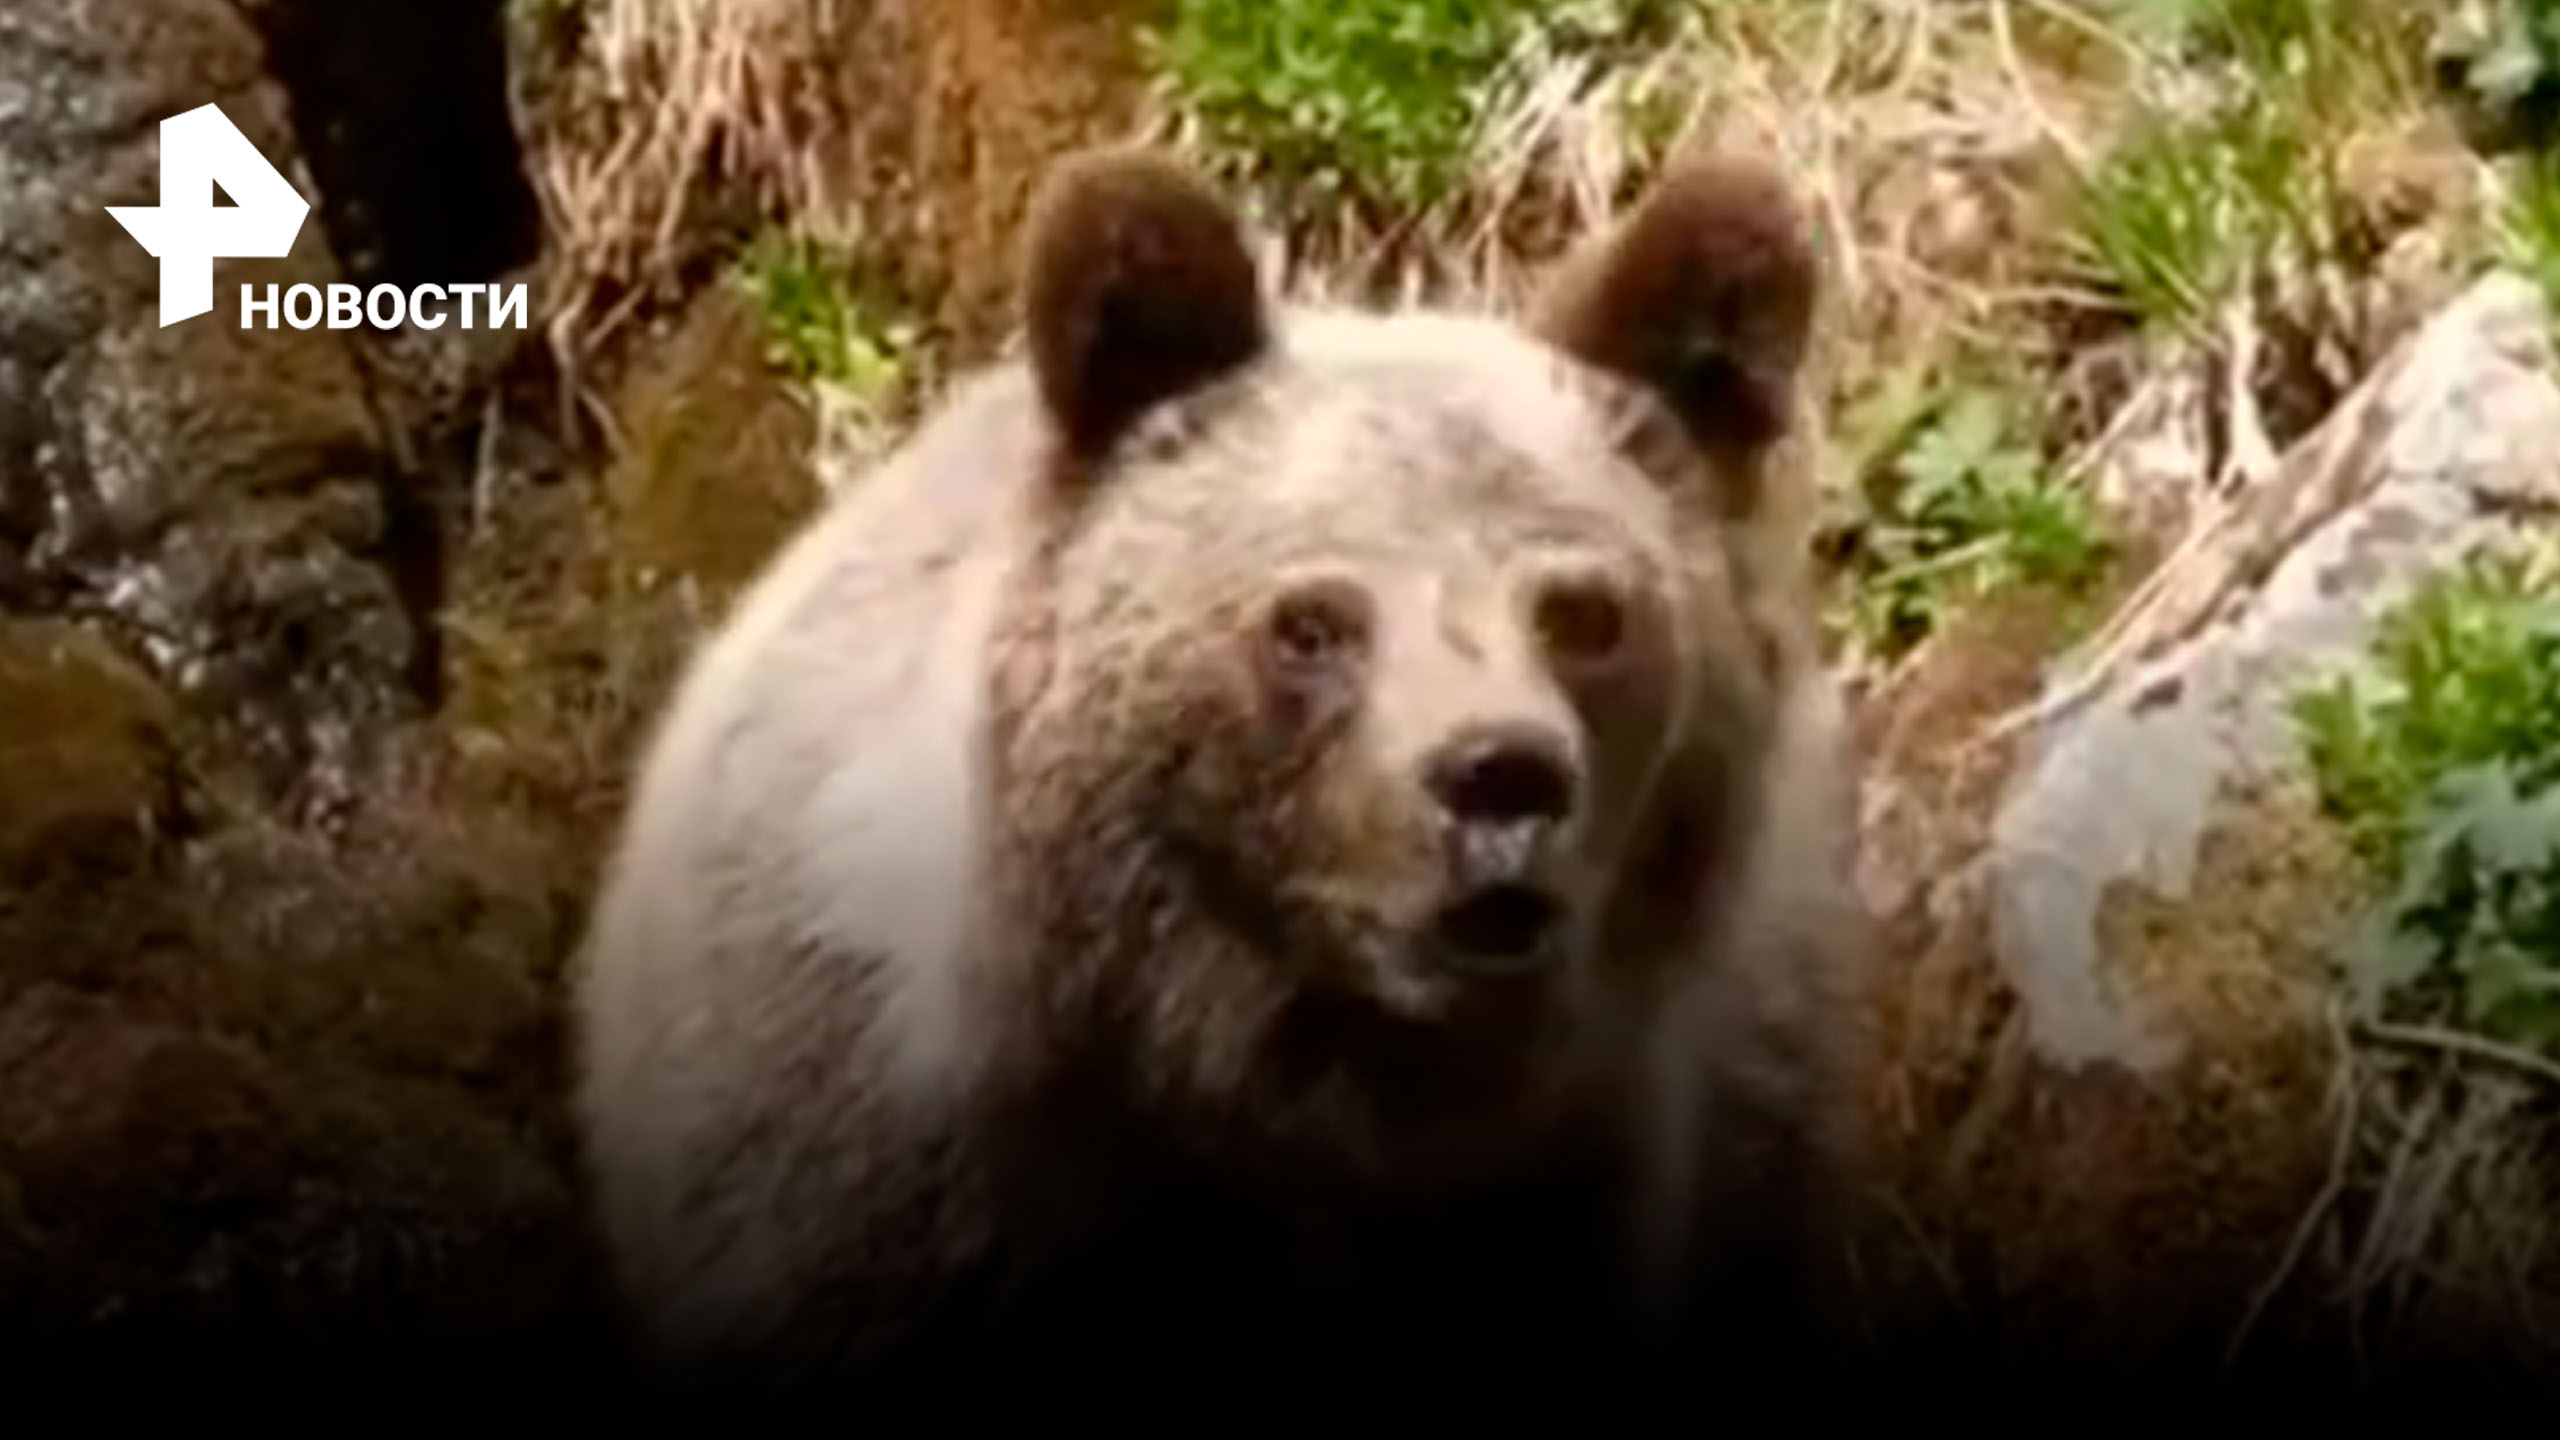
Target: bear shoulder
777 928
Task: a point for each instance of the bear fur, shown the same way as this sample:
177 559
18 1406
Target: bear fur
1298 846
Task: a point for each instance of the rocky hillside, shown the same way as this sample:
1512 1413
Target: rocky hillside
2191 420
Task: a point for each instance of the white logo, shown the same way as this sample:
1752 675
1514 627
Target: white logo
187 232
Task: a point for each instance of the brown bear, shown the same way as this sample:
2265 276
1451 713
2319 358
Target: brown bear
1298 847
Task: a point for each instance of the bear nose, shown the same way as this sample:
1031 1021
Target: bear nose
1503 775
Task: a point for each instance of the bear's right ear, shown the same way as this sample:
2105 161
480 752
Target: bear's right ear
1705 295
1137 288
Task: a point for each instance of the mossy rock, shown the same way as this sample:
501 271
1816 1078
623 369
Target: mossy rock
716 471
128 1126
88 753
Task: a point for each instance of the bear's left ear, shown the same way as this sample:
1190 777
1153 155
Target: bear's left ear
1704 295
1137 288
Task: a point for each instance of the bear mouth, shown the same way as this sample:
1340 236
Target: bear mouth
1499 929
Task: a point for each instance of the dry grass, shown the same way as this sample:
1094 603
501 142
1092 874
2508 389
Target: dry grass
2435 1226
664 107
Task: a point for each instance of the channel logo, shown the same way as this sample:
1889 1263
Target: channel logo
186 232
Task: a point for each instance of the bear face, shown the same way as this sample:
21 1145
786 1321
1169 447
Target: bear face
1255 827
1385 701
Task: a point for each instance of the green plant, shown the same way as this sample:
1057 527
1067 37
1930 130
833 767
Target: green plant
2325 56
826 325
2193 205
2179 213
2528 232
1380 97
2443 764
1973 510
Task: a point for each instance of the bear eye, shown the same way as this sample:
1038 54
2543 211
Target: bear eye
1583 622
1314 627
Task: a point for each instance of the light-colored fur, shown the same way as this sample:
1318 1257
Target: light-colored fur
786 934
798 985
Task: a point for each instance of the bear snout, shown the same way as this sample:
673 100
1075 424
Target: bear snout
1504 777
1506 796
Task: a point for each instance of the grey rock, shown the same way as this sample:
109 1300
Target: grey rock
2452 445
194 483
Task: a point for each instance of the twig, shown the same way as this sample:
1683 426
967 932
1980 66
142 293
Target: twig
2318 1211
2248 455
1915 269
2393 1260
2390 1198
1947 560
1936 1264
485 464
1918 48
2063 140
2095 29
2478 1047
2081 466
1828 65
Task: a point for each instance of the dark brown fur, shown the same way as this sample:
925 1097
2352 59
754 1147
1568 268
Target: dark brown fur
1139 287
1707 296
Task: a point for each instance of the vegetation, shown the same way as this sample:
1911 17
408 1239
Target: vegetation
2444 766
2180 217
828 326
2440 762
2529 229
1373 100
838 332
1972 510
2201 200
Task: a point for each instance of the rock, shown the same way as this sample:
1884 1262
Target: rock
282 1105
2448 448
2113 906
121 1129
418 948
184 1201
218 488
87 758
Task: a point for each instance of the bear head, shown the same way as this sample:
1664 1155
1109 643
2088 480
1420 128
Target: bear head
1379 718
